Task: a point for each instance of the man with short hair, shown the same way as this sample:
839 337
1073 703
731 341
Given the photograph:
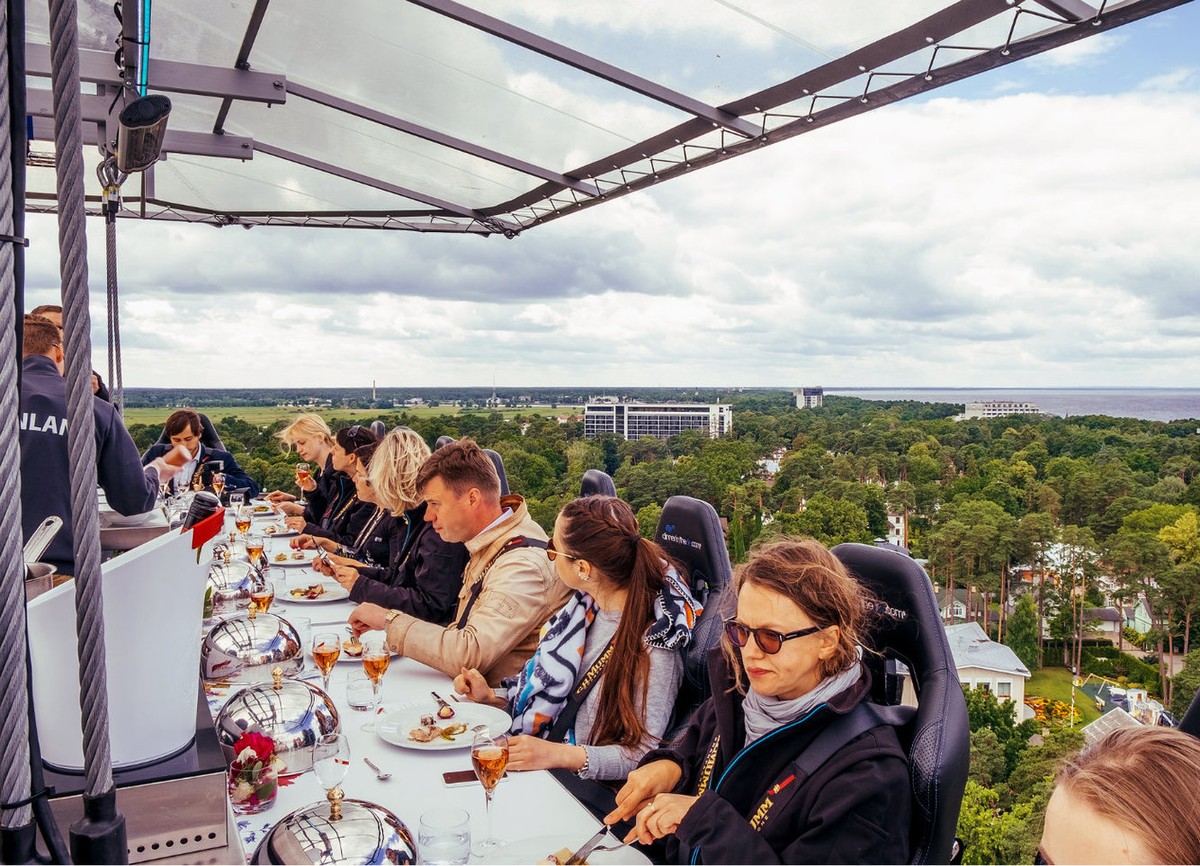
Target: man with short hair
509 587
45 469
53 312
183 429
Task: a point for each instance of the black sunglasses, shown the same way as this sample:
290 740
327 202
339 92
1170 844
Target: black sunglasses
768 640
553 554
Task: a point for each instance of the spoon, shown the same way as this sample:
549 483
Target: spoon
379 774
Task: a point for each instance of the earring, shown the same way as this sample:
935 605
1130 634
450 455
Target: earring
584 576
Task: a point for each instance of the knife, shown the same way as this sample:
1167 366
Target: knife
582 854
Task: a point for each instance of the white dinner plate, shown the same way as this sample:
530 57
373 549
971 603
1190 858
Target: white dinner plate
536 849
333 592
394 727
306 562
270 512
281 531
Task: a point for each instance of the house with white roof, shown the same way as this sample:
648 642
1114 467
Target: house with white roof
983 663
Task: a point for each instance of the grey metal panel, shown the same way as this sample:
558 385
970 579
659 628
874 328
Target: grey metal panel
449 141
170 76
176 141
598 68
1072 10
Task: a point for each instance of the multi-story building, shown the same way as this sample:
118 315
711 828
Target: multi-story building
809 397
658 420
998 409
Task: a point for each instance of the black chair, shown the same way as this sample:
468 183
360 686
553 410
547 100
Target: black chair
1190 723
909 629
498 462
379 429
442 441
690 532
597 483
208 434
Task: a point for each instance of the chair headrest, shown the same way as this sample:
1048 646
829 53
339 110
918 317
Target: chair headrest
690 531
379 429
908 623
209 437
442 441
597 483
498 462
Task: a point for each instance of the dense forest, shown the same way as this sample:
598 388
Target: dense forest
1064 514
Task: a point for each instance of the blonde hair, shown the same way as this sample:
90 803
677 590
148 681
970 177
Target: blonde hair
394 467
1144 781
307 425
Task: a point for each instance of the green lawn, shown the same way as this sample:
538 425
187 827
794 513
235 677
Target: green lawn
1055 683
263 415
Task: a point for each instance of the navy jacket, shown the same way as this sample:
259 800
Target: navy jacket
424 574
45 472
855 808
235 477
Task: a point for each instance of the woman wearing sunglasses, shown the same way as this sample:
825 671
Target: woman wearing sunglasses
336 512
599 690
729 789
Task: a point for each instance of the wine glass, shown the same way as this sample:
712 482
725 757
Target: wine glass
236 501
489 757
303 474
241 519
254 548
331 763
375 658
262 592
327 646
218 483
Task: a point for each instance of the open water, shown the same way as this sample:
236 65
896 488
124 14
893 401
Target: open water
1151 404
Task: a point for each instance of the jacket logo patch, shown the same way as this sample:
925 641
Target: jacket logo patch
760 815
706 769
53 424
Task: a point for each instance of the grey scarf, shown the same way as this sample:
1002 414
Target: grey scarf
764 714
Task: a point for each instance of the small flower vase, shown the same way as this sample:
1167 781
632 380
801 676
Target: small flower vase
253 789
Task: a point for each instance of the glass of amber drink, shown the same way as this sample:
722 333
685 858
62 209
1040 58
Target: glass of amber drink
241 519
254 548
218 483
489 757
327 646
375 658
303 476
262 592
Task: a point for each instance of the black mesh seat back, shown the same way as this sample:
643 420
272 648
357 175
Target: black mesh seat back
442 441
498 462
690 532
1190 723
909 627
379 429
597 483
208 434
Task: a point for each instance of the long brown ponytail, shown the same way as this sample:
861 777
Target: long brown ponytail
604 531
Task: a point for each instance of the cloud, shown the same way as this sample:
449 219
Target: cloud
1023 238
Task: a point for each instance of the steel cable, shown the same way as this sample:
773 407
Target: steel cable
72 243
15 772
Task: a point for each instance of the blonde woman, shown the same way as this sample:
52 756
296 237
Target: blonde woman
312 440
424 573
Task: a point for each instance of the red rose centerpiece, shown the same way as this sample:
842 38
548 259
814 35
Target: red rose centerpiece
254 774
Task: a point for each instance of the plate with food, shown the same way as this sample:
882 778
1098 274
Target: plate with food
557 848
285 557
418 725
352 649
262 510
279 530
315 593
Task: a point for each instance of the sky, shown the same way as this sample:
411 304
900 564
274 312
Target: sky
1034 226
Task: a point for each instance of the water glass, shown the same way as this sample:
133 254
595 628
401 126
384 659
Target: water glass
303 626
444 836
360 694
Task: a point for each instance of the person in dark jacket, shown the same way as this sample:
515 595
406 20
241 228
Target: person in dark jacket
183 430
424 574
53 313
129 488
727 791
336 512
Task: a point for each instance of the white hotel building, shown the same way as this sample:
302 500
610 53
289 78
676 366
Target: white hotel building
998 409
659 420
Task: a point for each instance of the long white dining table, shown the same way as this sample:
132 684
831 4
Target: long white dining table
532 811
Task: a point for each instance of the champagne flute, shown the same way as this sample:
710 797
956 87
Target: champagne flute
303 474
489 757
375 658
327 646
254 547
331 763
218 483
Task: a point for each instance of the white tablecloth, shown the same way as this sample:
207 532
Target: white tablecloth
526 805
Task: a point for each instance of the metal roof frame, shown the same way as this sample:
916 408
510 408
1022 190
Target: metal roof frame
810 100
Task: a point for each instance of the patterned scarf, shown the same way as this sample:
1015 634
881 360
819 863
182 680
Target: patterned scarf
540 691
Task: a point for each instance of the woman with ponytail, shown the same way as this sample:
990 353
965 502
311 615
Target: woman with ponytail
599 690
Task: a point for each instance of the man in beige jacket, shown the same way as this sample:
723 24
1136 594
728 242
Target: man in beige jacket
509 587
